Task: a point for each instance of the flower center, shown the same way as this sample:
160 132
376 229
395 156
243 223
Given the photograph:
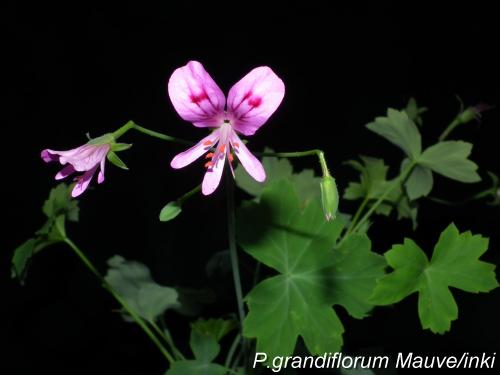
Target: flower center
222 149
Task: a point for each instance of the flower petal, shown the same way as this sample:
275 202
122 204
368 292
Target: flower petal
65 172
49 155
100 176
195 96
85 157
83 182
190 155
253 99
251 164
67 153
213 175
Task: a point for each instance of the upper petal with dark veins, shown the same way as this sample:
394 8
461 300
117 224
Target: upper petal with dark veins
195 96
253 99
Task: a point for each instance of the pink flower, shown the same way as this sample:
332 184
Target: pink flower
86 158
198 99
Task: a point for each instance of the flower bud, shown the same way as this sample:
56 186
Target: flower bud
472 113
170 211
329 197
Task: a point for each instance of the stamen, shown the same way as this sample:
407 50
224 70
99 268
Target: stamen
236 145
209 164
209 155
208 142
231 158
222 148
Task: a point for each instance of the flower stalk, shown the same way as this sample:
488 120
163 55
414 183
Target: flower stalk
132 125
120 300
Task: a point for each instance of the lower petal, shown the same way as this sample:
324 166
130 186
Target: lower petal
213 176
48 156
65 172
188 156
251 164
100 176
83 182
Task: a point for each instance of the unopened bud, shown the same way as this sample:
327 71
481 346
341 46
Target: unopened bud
473 113
329 197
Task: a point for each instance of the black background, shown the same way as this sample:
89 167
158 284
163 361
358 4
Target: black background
90 67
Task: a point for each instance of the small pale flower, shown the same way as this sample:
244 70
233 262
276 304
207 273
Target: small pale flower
251 101
87 159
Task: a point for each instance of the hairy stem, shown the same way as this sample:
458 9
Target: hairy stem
231 232
165 334
132 125
232 351
319 153
449 129
122 302
357 215
189 194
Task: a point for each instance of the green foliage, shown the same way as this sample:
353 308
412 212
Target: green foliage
419 183
306 184
408 210
313 273
204 342
298 243
414 112
372 184
356 371
60 202
400 130
133 282
58 208
217 328
58 230
21 258
170 211
454 263
373 179
355 270
195 366
450 159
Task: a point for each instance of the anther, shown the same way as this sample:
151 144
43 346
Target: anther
236 145
207 142
222 148
209 164
209 155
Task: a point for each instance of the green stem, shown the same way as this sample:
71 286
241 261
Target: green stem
122 302
397 182
295 154
319 153
449 129
132 125
232 350
189 194
357 214
231 231
165 334
477 196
